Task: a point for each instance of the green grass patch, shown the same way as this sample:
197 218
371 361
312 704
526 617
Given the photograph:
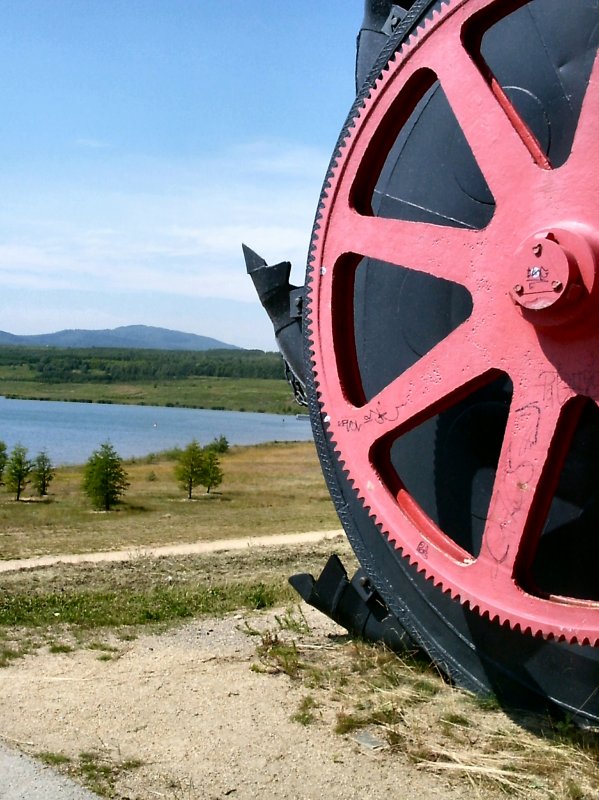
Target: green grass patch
53 759
305 713
92 609
8 653
223 394
101 606
276 655
60 647
100 773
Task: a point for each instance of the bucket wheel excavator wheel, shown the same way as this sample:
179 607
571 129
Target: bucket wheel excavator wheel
452 337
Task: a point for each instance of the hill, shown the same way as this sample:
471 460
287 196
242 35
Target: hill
144 337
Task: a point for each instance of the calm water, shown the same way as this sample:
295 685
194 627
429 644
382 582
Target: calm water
69 432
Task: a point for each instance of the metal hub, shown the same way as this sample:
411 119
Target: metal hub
545 270
550 288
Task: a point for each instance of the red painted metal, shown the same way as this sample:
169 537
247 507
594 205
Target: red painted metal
531 274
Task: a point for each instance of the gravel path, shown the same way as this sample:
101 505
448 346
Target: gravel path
23 778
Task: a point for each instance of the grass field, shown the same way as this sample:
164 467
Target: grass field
156 590
267 489
274 488
229 394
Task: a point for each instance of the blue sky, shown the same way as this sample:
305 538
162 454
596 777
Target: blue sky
142 141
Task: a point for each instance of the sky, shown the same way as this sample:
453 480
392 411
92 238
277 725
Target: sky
142 141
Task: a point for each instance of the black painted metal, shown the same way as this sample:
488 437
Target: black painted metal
284 305
542 58
381 19
355 605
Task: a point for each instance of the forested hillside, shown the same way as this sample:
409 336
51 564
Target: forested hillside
138 336
97 365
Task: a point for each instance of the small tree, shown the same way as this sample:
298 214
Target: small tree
220 444
17 471
189 468
104 477
3 460
212 474
43 473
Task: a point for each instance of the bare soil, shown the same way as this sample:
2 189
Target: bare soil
204 725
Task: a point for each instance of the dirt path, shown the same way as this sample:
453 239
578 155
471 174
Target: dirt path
170 550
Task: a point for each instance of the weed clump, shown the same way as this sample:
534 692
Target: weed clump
305 713
99 772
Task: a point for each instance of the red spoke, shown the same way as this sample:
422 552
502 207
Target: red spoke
582 157
449 253
521 481
501 143
433 383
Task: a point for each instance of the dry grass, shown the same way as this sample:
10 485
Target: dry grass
276 488
402 706
259 563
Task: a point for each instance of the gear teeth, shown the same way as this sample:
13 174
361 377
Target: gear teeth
431 18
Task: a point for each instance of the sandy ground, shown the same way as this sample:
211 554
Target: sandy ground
204 724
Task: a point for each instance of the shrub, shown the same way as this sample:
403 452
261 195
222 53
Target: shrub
18 468
218 445
104 477
43 473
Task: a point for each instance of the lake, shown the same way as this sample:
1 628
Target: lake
69 432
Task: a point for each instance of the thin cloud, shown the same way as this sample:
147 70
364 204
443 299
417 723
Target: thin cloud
172 229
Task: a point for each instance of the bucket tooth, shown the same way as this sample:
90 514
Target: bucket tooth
355 605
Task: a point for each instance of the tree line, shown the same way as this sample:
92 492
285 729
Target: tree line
105 478
107 365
